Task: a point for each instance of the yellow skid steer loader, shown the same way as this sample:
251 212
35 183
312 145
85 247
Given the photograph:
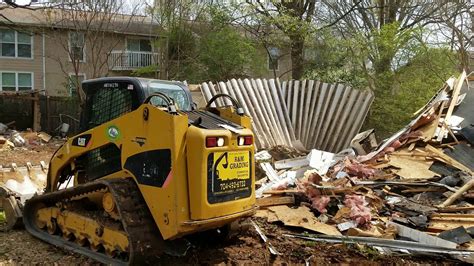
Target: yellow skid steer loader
147 169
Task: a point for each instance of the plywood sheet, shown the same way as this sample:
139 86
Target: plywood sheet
412 167
303 217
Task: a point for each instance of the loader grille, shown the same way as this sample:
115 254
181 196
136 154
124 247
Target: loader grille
101 161
208 120
108 104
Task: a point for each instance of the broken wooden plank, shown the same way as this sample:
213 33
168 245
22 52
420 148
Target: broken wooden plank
457 209
44 136
453 216
421 190
283 191
448 221
457 194
454 99
275 200
448 160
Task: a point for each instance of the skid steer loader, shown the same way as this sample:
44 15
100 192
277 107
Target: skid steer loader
147 169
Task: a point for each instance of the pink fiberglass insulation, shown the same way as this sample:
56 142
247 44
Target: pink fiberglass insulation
360 170
360 213
320 203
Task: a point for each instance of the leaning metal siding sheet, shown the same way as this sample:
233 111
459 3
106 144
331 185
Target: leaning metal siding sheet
318 115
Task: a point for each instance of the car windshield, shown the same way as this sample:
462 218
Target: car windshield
173 91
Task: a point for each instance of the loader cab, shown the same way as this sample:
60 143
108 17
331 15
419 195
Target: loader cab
111 97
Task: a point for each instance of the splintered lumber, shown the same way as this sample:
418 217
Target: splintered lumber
275 200
457 194
266 214
302 217
452 104
447 221
44 136
457 209
448 160
279 192
425 189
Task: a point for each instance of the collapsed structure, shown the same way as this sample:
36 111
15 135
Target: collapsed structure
305 114
410 194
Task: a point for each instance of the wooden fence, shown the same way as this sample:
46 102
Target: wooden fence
297 112
53 111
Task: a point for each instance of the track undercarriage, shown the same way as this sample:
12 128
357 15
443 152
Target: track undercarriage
106 220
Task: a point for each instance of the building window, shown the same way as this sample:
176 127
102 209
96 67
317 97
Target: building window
273 57
74 82
139 53
76 45
16 81
15 44
139 45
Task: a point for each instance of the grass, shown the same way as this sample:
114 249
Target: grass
3 217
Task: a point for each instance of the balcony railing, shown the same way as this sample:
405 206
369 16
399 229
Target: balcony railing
128 60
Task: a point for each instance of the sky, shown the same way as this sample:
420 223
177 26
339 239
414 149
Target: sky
129 4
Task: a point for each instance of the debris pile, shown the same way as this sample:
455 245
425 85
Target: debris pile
10 138
304 114
412 193
20 181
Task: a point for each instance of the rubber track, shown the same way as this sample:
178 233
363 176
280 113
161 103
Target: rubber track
145 242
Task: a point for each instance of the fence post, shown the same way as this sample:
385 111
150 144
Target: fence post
36 113
48 115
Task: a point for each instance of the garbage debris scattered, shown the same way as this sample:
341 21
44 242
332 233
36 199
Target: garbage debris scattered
302 114
10 138
415 188
264 238
411 193
21 181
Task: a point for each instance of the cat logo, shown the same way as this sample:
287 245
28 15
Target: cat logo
81 142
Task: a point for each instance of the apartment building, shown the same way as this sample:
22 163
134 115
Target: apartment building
49 51
52 50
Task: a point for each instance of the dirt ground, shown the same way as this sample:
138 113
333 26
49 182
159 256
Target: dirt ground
18 247
246 247
32 153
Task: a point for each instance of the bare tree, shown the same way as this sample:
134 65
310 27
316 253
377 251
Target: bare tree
371 16
88 32
461 29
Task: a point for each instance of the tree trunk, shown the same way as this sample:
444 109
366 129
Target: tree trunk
297 64
383 64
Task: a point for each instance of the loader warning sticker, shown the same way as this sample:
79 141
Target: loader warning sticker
113 133
229 176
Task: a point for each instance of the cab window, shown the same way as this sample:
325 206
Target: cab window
175 92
